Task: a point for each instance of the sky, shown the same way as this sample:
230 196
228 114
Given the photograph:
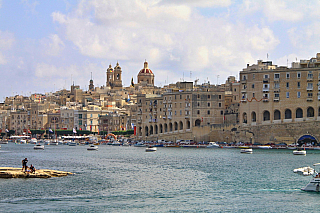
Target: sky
49 45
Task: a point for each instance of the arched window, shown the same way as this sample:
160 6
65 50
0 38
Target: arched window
197 122
170 127
299 113
244 118
140 131
266 116
254 117
188 124
161 130
165 127
146 131
310 112
277 115
175 126
151 130
287 114
180 125
156 129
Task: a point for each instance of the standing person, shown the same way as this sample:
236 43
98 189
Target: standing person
24 164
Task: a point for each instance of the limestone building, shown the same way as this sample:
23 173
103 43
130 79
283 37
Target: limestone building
146 76
114 79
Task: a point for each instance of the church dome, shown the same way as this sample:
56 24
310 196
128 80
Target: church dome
145 70
110 69
117 66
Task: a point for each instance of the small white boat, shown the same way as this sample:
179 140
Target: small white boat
3 142
55 143
151 149
213 145
46 142
314 184
139 144
38 146
299 152
305 171
246 151
125 144
265 147
93 147
23 141
72 144
33 141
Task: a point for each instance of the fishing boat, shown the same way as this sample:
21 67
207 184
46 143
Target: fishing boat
314 184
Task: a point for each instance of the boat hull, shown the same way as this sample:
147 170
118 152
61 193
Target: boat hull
313 185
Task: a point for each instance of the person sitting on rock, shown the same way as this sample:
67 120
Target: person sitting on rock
32 169
24 164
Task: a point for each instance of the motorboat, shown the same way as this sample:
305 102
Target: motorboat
116 143
55 143
151 149
213 145
125 144
305 171
38 146
140 144
265 147
314 184
92 148
246 151
33 141
299 152
46 142
72 144
3 142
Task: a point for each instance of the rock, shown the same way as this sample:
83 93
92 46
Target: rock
9 172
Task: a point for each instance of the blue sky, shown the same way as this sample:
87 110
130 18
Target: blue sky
47 45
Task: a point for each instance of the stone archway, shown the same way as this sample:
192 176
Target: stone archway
308 139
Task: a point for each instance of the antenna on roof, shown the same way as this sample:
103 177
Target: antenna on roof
91 75
267 56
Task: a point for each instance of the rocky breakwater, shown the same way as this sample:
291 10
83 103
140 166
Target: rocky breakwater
9 172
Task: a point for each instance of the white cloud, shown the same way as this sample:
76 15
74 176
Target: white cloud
199 3
53 45
6 42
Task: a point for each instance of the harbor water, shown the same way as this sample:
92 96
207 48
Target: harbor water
128 179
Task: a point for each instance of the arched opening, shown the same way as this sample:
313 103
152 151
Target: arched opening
165 127
310 112
140 131
266 116
197 122
156 129
277 115
151 130
188 124
146 130
299 113
287 114
180 125
170 127
161 130
254 117
308 140
175 126
244 118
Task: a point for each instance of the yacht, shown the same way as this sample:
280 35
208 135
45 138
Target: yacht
265 147
213 145
92 147
314 184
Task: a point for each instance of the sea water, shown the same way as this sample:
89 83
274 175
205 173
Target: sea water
128 179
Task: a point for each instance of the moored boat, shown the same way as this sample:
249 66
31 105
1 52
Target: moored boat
265 147
33 141
314 184
213 145
151 149
299 152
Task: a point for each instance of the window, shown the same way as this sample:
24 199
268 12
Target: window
252 86
219 96
276 95
309 94
180 112
208 104
287 85
298 85
276 75
287 94
287 75
310 86
221 112
219 104
253 95
266 76
198 104
244 77
198 112
253 76
310 75
276 85
208 96
208 112
299 75
298 94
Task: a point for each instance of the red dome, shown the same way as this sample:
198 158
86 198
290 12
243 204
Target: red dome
145 71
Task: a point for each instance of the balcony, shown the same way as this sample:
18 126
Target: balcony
309 88
319 87
164 117
154 112
309 78
140 104
265 80
139 121
170 117
243 90
276 89
164 101
244 100
309 99
265 99
276 99
139 113
265 90
243 81
276 79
